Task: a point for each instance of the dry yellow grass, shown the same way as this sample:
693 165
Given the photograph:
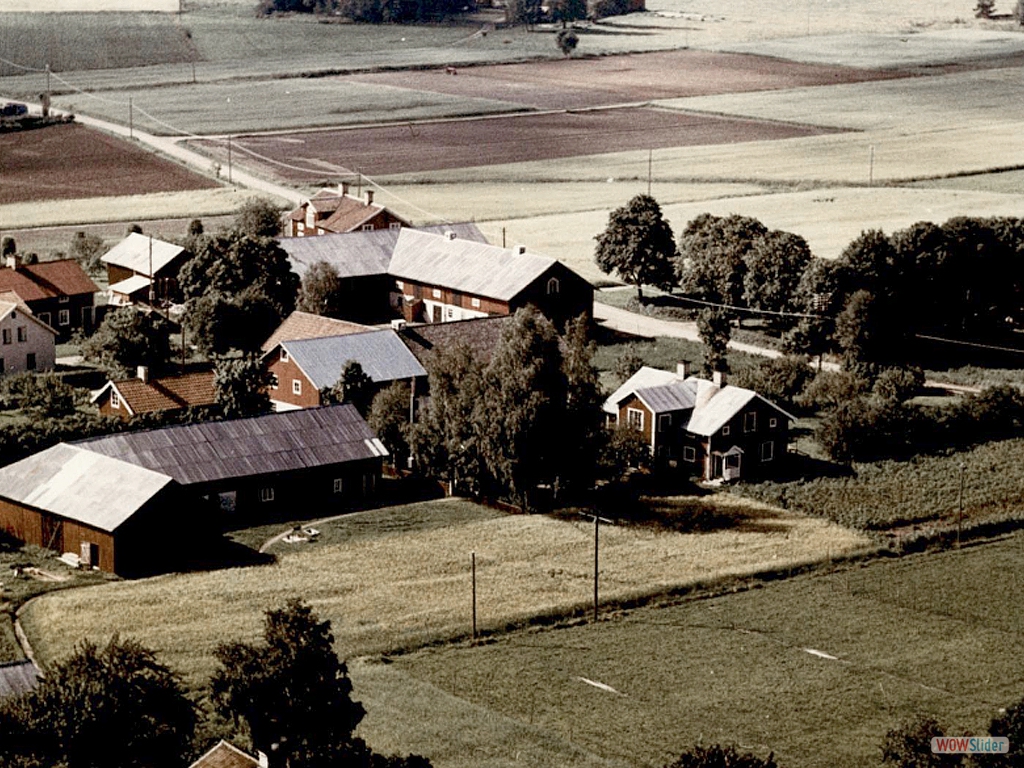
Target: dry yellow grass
402 590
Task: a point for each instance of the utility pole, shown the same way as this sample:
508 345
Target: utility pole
871 167
597 528
473 566
47 78
131 126
960 513
152 291
650 160
229 160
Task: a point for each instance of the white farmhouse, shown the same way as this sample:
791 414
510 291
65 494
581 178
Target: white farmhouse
26 342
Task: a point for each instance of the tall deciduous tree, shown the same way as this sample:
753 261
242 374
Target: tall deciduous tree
638 245
110 707
258 217
713 254
321 290
583 432
389 418
715 328
128 338
353 386
241 386
773 268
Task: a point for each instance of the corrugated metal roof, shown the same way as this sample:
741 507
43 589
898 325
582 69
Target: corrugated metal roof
676 396
130 285
474 268
17 677
82 485
719 409
133 253
645 377
381 353
360 254
224 450
303 325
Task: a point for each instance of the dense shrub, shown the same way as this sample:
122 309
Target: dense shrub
781 380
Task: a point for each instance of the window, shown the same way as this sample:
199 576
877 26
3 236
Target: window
553 286
30 361
115 399
767 451
300 226
394 225
475 303
689 453
436 293
274 382
64 317
451 313
664 422
284 355
725 431
773 423
7 335
63 299
22 333
400 284
635 419
296 386
266 494
44 317
339 485
732 461
750 421
367 227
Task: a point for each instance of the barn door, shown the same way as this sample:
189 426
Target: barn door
53 533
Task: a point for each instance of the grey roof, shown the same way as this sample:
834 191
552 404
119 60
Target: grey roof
645 377
719 409
17 677
223 450
677 396
360 254
474 268
381 353
81 485
130 285
133 253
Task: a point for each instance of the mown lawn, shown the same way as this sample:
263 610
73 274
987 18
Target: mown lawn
936 634
400 583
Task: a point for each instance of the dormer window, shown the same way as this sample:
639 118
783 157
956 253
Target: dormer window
553 286
284 355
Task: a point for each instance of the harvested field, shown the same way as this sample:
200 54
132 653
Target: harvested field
580 83
458 144
66 162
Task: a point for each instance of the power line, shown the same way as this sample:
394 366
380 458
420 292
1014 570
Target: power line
969 343
750 310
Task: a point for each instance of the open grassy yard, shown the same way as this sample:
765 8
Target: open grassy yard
815 668
401 589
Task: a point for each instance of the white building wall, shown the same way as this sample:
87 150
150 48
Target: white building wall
37 340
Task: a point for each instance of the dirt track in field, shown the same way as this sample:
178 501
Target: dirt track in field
608 80
67 162
466 143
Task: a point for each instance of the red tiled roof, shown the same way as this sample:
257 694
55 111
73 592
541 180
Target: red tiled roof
169 393
344 212
47 280
225 755
303 325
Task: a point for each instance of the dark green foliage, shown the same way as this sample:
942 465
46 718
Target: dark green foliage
87 250
320 293
716 756
353 386
257 218
774 266
290 690
584 431
627 363
133 229
526 12
389 418
984 9
46 395
128 338
624 448
829 389
566 40
910 746
714 327
1008 723
373 11
115 707
638 245
565 11
195 228
712 256
898 384
8 247
781 379
241 387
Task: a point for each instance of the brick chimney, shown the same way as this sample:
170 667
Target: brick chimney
369 197
343 188
449 235
12 261
718 379
683 369
519 250
143 374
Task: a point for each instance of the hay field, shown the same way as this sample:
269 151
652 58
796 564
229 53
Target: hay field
89 6
936 634
404 589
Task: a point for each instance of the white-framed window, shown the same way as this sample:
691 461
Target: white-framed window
450 313
664 421
7 336
689 453
767 451
339 485
274 381
750 421
635 419
395 225
63 299
266 494
367 227
553 286
725 431
319 230
284 355
22 333
300 226
773 423
115 399
64 317
296 386
400 284
44 317
474 303
30 361
436 293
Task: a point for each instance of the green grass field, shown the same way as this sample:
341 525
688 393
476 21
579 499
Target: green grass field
932 634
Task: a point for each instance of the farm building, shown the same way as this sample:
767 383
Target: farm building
361 261
17 677
142 269
439 278
332 211
26 342
129 397
304 325
480 336
300 369
224 754
59 293
708 429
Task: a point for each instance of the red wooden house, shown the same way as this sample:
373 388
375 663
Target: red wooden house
332 211
59 293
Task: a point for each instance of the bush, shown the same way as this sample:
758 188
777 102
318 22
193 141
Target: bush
910 746
898 384
780 379
716 756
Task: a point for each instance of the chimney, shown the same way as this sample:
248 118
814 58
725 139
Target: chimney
262 759
12 261
718 379
143 374
519 250
343 188
397 324
369 197
449 235
683 369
